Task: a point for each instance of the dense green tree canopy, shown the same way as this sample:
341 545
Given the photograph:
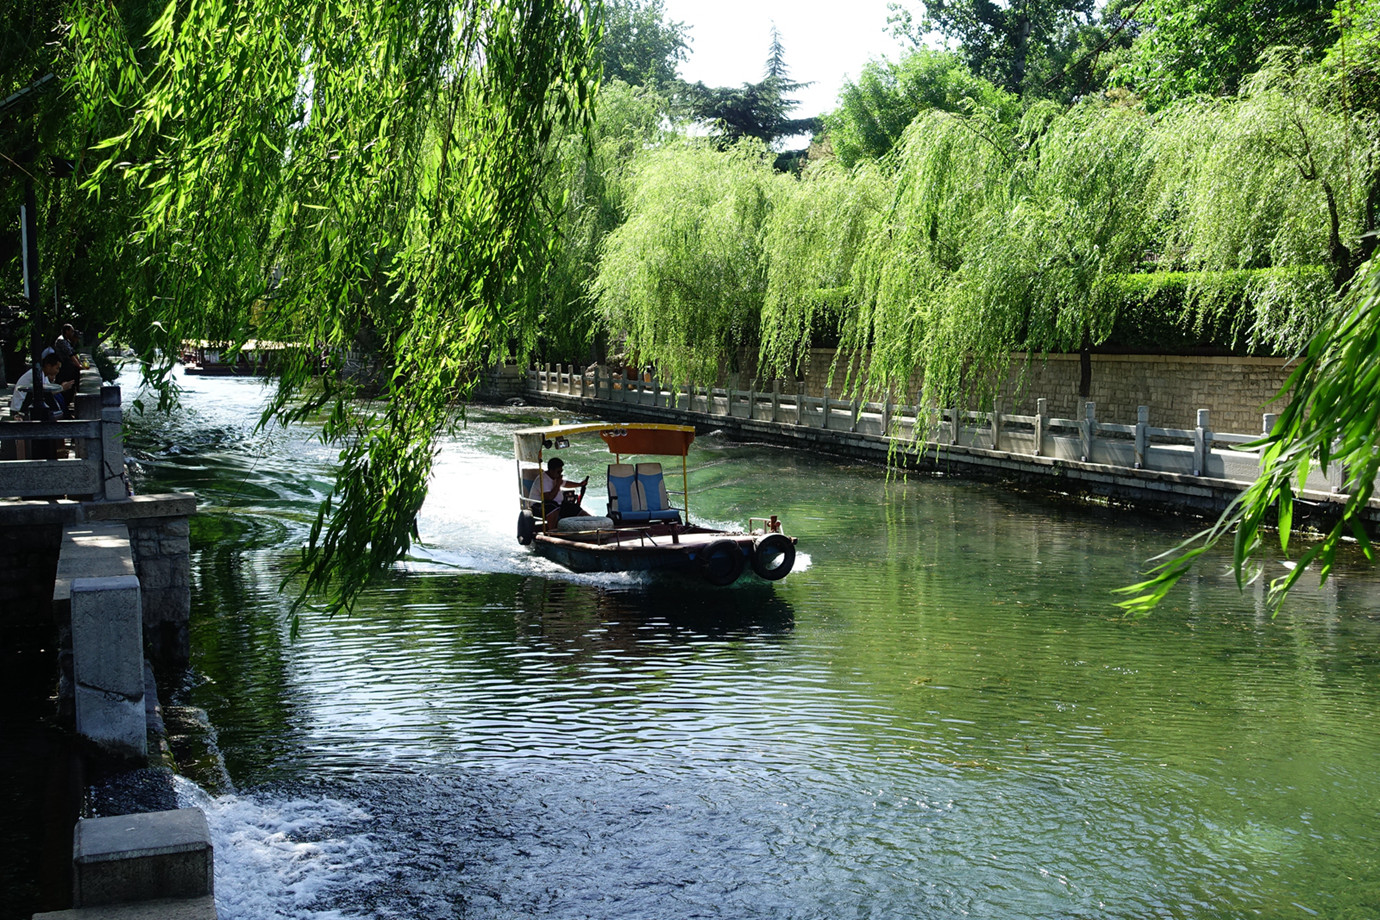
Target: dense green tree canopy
997 40
1210 47
874 110
640 46
684 277
589 188
814 235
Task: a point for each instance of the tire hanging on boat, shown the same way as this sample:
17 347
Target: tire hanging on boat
773 556
527 527
721 563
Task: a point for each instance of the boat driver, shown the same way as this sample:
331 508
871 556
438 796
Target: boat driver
552 483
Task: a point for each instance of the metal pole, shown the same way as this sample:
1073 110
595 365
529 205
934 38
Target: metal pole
28 231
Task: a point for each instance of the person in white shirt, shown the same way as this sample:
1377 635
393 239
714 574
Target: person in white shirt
552 484
51 364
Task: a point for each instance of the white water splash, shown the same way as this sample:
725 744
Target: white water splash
282 859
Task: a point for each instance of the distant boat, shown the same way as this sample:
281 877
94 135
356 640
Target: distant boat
254 359
643 530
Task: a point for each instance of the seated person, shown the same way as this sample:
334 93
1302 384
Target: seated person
23 396
69 373
552 484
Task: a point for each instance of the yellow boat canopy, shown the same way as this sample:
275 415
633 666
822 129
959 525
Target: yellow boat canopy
621 438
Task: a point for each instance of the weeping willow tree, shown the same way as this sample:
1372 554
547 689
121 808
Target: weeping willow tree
999 238
329 174
685 276
1268 198
1313 168
814 235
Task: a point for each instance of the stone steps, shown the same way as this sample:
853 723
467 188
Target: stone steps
155 865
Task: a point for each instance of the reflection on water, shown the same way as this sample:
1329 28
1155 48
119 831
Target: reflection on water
940 715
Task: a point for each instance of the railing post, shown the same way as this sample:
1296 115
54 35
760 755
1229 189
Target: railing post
996 424
800 403
775 398
1142 434
1267 425
824 423
1337 476
953 425
752 400
1202 443
854 413
886 415
112 446
1089 426
1041 413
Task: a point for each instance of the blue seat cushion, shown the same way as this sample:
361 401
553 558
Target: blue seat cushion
663 514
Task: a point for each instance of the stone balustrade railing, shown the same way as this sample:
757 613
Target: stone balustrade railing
1139 447
92 468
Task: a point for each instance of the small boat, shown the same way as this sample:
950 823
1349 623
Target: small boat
643 529
254 359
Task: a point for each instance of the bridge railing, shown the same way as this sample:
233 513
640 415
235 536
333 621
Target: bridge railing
1191 451
90 449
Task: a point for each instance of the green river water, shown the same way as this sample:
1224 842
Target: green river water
938 714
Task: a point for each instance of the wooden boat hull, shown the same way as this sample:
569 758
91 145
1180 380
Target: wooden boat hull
714 556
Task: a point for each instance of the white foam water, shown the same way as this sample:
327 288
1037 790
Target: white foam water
282 858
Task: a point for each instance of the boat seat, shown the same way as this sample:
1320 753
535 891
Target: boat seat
624 497
531 486
656 503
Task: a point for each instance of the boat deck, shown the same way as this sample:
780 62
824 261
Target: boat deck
640 535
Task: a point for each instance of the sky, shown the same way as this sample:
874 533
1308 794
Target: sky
825 42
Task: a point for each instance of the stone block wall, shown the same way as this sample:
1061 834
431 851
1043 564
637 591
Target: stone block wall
1235 391
162 551
502 383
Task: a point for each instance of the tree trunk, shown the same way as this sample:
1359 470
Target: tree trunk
1085 366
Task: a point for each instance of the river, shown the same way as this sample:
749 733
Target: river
938 714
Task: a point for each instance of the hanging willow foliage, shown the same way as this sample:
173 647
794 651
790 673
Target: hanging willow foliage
588 188
684 277
998 239
1278 179
814 235
331 174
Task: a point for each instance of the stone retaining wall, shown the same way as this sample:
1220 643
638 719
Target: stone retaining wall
162 553
1237 391
30 540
